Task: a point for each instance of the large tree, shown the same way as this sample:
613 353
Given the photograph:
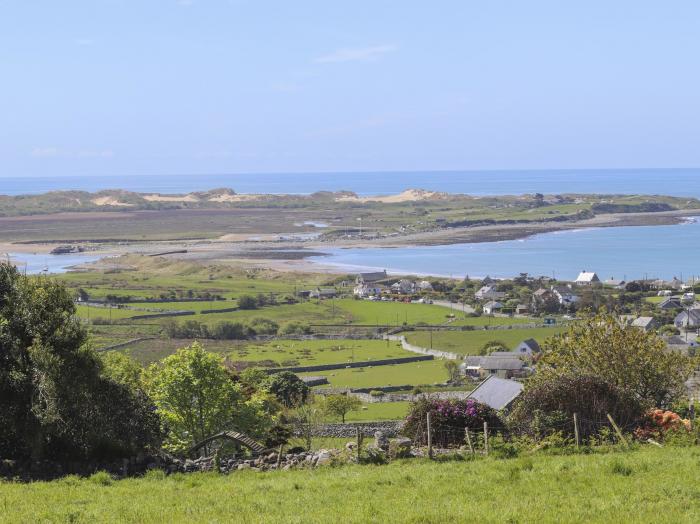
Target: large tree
624 356
195 395
55 401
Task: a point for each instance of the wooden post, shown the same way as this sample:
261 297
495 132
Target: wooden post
360 437
430 438
578 440
279 456
617 430
486 438
469 440
691 412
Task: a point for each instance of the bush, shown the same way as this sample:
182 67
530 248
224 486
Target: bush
548 406
101 478
264 326
376 393
448 420
294 328
247 302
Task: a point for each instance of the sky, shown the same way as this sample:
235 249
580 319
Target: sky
161 87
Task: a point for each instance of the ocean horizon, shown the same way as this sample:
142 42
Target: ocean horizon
666 181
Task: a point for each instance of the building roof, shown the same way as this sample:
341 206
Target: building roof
643 322
532 344
495 363
670 303
493 304
497 393
373 276
587 276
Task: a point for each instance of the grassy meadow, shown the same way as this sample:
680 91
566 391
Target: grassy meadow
471 342
413 374
648 485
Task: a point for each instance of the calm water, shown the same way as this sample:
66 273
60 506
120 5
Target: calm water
679 182
620 252
55 263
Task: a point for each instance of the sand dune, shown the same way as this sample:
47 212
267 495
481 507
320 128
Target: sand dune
410 195
110 201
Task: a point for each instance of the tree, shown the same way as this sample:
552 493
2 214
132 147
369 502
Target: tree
452 370
341 405
264 326
629 358
289 389
55 401
247 302
122 369
194 394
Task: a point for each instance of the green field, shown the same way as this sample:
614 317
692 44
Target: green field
379 411
416 373
471 342
649 485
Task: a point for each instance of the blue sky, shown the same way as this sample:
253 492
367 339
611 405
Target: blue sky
110 87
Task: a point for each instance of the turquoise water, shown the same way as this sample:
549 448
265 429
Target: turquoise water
620 252
680 182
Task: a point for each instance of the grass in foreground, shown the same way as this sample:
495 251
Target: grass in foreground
650 485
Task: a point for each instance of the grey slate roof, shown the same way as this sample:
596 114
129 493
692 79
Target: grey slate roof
490 363
497 393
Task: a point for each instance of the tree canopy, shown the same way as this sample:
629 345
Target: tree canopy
629 358
55 401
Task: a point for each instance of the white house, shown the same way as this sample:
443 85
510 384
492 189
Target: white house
492 306
367 290
586 278
403 286
565 295
688 319
489 293
424 285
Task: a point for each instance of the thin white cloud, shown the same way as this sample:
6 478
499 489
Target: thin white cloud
55 152
357 54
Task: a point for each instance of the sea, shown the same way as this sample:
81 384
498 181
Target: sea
619 252
676 182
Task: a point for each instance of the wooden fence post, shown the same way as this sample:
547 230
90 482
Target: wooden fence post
617 430
430 438
279 456
469 440
486 438
578 440
360 438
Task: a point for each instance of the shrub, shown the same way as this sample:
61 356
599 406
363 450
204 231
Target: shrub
294 328
264 326
101 478
376 393
247 302
448 420
548 406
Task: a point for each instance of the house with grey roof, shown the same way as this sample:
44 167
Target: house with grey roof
371 277
689 319
492 306
489 292
645 323
670 303
565 295
503 367
497 393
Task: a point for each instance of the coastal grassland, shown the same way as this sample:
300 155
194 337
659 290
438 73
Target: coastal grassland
647 485
399 313
471 342
413 374
281 352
